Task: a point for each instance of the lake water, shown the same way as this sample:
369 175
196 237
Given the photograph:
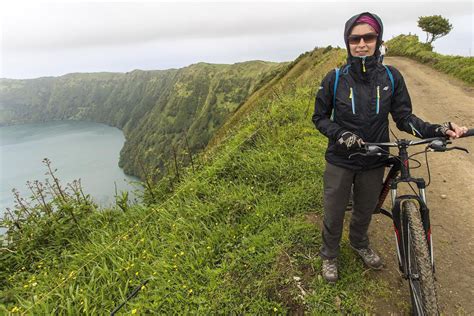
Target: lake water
84 150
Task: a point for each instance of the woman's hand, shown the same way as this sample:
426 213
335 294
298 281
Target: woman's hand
456 131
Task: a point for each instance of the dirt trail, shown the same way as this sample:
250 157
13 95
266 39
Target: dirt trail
437 98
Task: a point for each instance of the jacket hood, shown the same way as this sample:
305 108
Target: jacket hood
350 24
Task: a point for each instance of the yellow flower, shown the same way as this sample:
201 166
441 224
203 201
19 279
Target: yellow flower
15 309
134 311
142 240
181 253
143 287
275 309
136 273
34 284
190 291
25 286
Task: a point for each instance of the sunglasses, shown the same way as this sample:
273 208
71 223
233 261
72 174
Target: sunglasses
368 38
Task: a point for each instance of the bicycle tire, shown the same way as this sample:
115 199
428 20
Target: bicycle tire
421 260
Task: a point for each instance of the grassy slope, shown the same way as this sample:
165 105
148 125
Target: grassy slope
231 238
409 46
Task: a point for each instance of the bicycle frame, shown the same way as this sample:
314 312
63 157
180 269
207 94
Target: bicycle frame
400 173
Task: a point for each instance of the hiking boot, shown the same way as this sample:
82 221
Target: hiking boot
330 270
370 258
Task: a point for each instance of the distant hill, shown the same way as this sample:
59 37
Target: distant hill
155 109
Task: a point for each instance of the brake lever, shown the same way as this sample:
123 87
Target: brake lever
457 148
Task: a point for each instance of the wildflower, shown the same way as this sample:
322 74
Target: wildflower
143 287
275 309
190 291
181 253
142 240
208 247
34 284
184 286
136 273
15 309
134 311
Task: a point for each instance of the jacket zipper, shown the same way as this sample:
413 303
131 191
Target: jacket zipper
352 97
363 64
378 99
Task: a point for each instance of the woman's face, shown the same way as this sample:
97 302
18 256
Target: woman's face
362 40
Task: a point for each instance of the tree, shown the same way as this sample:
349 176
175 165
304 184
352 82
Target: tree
435 26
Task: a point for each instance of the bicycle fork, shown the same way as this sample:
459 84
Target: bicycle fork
400 224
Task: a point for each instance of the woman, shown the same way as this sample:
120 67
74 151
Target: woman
366 93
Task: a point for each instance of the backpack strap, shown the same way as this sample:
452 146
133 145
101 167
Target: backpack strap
390 76
336 82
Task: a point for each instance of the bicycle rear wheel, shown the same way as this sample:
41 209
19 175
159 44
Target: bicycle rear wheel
420 269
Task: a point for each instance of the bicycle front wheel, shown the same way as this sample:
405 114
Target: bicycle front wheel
420 269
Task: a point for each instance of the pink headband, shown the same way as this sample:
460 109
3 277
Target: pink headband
370 21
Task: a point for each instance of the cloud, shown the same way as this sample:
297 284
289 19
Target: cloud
41 39
77 25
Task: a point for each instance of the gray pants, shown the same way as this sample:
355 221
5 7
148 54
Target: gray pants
337 189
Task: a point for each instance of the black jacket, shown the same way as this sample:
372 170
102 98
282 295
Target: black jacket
364 100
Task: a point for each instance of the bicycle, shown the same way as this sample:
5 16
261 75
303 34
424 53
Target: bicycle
410 215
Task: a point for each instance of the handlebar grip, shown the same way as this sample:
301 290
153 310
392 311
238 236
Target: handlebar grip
469 132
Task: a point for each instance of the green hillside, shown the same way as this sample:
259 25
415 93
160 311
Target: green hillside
155 109
238 234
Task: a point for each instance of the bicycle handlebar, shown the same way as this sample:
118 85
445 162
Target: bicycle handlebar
469 133
435 143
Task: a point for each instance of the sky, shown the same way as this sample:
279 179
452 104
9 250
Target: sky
54 38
